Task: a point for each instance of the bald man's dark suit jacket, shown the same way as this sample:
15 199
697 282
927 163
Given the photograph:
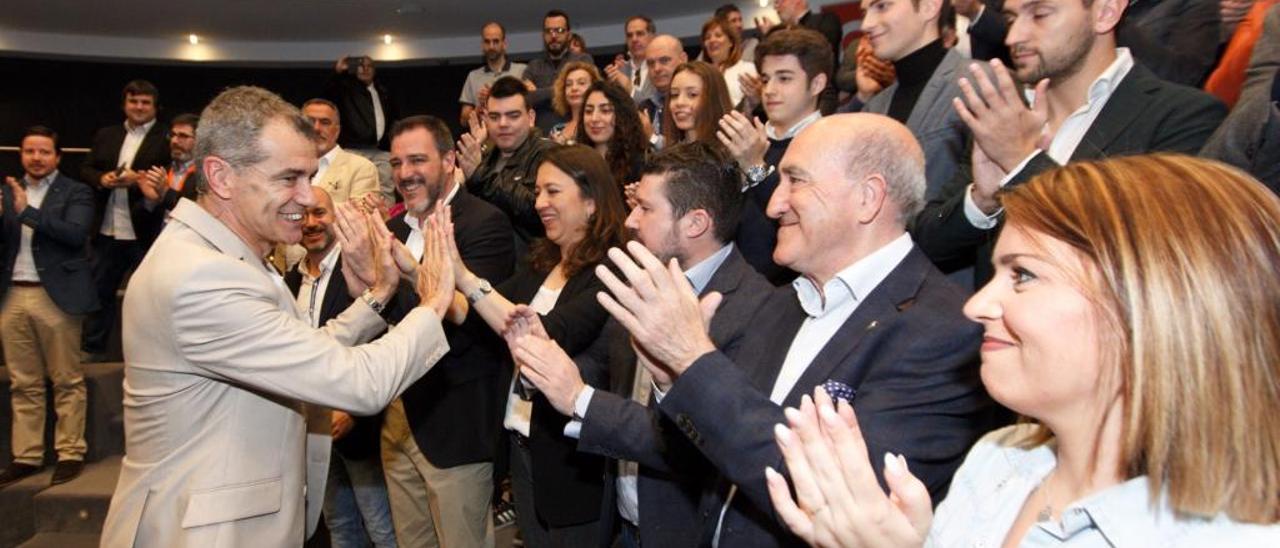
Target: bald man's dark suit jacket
672 475
907 351
1144 114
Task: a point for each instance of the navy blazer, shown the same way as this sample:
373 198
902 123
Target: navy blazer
454 410
1144 114
907 351
673 475
103 157
364 439
58 247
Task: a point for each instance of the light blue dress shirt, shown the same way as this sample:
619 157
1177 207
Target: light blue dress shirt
991 487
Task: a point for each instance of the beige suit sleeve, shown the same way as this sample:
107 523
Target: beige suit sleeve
364 179
229 324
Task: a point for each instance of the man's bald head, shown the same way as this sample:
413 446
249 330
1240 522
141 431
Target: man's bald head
848 184
869 144
663 55
317 224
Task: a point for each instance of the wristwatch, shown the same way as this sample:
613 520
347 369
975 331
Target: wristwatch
482 288
372 301
757 174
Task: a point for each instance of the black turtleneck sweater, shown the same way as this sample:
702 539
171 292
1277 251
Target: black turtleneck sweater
914 71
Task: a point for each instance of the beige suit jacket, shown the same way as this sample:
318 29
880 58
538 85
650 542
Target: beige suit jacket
348 176
221 367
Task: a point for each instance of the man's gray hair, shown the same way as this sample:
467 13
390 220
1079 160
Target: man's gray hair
901 163
231 127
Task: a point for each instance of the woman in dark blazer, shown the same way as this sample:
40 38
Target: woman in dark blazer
557 490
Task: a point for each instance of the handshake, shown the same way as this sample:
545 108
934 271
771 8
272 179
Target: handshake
374 260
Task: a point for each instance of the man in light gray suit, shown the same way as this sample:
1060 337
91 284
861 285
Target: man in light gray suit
687 208
906 33
223 444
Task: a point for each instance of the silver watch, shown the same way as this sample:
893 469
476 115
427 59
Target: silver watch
757 174
372 301
482 288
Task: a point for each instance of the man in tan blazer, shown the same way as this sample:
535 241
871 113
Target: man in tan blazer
344 175
223 374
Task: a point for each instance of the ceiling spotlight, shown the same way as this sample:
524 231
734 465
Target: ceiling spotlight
386 39
764 3
193 39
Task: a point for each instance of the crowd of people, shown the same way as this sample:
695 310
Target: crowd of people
1004 274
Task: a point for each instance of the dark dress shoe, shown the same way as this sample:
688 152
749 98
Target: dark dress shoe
16 472
66 470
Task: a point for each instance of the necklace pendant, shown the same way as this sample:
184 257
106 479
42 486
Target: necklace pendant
1045 514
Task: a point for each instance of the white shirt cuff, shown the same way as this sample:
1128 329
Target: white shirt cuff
976 216
658 394
573 429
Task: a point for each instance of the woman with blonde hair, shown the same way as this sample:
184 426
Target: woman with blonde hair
1134 320
570 89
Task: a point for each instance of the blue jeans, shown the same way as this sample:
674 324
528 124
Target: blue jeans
356 510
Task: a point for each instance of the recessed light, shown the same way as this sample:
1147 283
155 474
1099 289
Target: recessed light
386 39
193 39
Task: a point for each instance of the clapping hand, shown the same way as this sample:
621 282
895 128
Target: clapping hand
613 73
751 87
658 306
838 501
550 370
1002 124
359 264
435 285
19 196
153 183
745 139
471 146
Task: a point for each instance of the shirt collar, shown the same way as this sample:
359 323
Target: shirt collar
329 156
506 67
413 221
326 264
795 129
45 181
143 129
1105 84
700 274
855 282
217 233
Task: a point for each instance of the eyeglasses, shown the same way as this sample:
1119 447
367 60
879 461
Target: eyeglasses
554 30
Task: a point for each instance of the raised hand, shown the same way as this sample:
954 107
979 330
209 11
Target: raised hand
153 183
629 191
646 123
658 307
764 25
471 145
550 369
451 245
359 268
750 85
435 285
19 195
1002 124
482 97
745 139
838 502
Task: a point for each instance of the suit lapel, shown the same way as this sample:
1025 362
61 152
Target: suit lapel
894 294
1126 106
923 112
773 338
333 293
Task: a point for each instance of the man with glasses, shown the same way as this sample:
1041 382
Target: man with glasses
164 186
540 75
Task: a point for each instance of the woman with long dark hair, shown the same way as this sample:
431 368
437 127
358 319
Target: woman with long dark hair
610 123
695 104
557 489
